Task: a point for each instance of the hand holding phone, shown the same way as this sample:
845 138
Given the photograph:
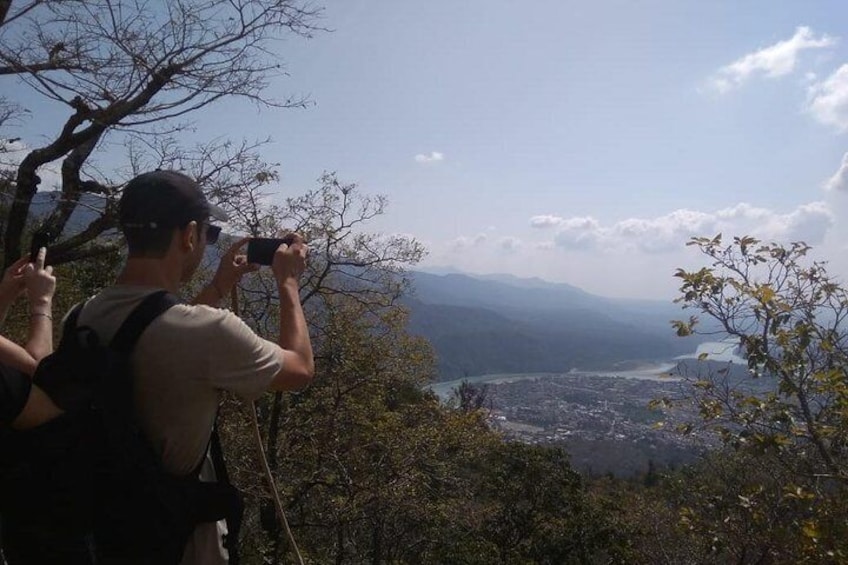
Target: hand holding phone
289 263
260 250
39 239
40 283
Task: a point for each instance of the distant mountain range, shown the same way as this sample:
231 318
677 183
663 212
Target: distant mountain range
506 324
90 206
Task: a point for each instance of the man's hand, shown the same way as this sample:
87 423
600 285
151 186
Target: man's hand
290 260
232 267
298 362
39 282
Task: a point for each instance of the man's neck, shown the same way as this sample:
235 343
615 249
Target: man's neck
150 272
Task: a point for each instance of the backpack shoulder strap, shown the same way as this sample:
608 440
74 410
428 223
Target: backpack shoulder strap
71 319
235 513
148 310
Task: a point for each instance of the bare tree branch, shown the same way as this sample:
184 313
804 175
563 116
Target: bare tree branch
126 67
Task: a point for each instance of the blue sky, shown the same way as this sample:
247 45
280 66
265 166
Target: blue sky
581 142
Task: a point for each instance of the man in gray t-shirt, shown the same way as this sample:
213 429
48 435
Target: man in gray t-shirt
191 353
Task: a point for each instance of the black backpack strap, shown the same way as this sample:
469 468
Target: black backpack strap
148 310
114 394
71 320
236 510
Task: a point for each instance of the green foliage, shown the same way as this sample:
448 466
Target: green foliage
737 507
539 510
373 469
787 315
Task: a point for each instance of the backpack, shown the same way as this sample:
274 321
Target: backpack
89 483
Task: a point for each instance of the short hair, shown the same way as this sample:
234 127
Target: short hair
154 204
152 243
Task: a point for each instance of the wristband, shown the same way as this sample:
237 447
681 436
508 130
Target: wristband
45 314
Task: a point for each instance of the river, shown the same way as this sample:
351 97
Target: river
716 351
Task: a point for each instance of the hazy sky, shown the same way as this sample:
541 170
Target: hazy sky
581 142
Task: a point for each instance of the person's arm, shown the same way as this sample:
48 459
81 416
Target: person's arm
15 356
230 270
11 286
22 404
297 359
39 409
40 286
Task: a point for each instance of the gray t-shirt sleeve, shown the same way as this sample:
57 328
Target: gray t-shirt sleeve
235 359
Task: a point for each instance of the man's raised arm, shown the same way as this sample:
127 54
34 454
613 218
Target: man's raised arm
298 362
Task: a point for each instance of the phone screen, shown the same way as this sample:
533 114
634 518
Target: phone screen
39 239
260 250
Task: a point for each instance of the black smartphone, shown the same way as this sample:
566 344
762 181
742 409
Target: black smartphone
260 250
39 239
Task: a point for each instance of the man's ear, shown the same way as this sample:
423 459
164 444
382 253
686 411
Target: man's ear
189 236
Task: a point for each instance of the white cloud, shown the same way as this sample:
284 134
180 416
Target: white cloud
743 211
827 100
464 242
663 233
839 180
579 233
509 243
433 156
773 61
809 222
544 221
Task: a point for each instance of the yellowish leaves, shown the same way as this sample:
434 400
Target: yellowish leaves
687 517
660 403
684 328
703 384
764 293
810 529
684 429
710 409
796 492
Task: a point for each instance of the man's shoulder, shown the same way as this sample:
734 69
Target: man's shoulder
107 310
215 343
190 319
119 297
198 314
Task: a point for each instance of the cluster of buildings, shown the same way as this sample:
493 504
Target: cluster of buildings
581 410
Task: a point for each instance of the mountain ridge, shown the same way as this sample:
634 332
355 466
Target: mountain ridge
503 323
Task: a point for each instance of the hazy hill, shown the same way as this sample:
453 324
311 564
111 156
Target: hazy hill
89 207
505 324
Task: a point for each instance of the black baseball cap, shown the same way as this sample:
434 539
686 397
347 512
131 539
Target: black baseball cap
166 199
